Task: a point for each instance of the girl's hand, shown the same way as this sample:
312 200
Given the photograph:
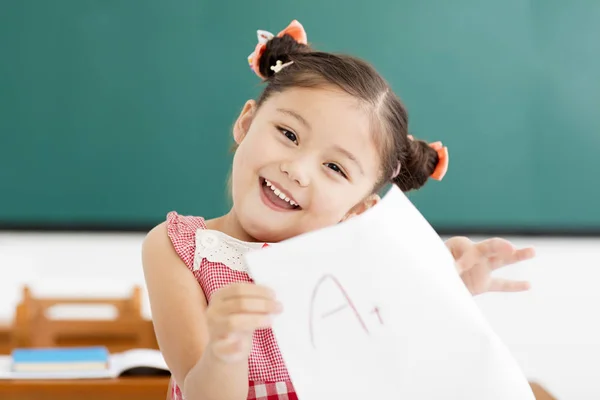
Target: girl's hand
234 313
476 261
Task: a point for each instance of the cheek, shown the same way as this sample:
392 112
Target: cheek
245 157
250 158
331 205
242 172
257 147
239 160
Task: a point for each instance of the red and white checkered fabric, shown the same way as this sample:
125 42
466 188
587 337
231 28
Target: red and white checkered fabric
257 391
268 376
271 391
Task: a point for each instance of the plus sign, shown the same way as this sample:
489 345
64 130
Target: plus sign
376 311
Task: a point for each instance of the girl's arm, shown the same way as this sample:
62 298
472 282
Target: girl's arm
179 315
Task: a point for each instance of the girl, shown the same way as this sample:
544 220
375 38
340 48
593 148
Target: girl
324 137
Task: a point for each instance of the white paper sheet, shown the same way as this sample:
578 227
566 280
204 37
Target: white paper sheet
374 309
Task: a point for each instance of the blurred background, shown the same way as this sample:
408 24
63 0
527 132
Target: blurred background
113 113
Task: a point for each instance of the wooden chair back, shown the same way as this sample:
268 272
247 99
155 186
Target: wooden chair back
33 326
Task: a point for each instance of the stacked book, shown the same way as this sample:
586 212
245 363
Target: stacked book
80 363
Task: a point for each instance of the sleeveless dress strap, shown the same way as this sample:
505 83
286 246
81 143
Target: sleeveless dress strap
182 233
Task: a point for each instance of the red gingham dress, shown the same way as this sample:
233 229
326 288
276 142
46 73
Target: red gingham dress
268 376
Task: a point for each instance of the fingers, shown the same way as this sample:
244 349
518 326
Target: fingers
225 326
458 245
524 254
239 309
243 289
495 247
255 305
496 252
483 252
506 285
512 257
245 298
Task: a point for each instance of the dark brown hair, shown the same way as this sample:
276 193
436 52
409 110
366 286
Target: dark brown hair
359 79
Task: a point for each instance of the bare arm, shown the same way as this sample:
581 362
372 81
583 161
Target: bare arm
179 315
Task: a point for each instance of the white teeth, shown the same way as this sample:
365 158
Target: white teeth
279 194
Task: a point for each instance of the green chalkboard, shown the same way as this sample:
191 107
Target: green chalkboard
114 112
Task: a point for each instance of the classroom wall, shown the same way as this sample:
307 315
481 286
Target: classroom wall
552 330
134 94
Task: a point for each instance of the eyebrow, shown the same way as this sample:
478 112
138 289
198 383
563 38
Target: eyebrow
350 156
294 114
339 149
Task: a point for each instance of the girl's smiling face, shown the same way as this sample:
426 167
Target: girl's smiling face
306 159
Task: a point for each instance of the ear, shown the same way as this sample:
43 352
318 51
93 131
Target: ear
363 206
242 125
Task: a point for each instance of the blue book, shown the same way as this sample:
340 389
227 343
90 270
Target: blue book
60 359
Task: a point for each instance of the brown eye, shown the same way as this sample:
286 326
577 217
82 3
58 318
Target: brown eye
336 168
289 134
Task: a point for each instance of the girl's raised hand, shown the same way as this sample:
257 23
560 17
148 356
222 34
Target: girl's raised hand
475 263
234 313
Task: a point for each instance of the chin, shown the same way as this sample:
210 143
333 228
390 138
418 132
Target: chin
263 230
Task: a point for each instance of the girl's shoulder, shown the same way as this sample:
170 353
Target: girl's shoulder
198 245
178 223
181 230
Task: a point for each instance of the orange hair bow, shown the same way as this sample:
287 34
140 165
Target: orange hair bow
294 29
442 166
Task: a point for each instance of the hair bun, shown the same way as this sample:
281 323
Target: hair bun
291 40
279 49
418 166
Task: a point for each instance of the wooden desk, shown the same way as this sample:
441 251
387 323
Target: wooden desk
114 389
130 388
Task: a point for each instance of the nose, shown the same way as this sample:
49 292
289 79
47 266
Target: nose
296 171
